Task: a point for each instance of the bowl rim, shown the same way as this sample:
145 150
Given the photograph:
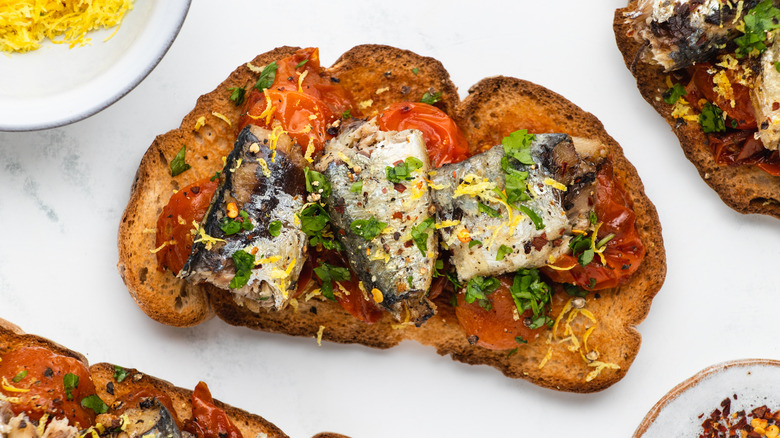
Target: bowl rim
175 12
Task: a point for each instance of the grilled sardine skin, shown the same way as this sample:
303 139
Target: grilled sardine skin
681 33
391 262
459 188
264 177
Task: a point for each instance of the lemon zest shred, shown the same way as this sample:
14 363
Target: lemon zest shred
10 388
301 76
221 117
555 184
199 123
319 335
264 167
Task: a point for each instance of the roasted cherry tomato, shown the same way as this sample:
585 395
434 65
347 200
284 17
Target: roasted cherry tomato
47 383
741 115
497 328
742 148
303 100
623 253
209 421
366 310
443 138
186 206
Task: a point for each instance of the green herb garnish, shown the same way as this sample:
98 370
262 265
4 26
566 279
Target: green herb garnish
356 187
518 146
244 263
574 290
711 119
430 99
215 176
95 403
70 382
409 280
503 250
535 218
403 171
301 64
673 94
420 235
415 70
346 115
474 242
267 76
120 373
18 378
520 340
478 289
582 248
761 19
490 211
275 228
530 292
593 218
317 183
367 228
177 164
232 226
328 274
237 95
314 219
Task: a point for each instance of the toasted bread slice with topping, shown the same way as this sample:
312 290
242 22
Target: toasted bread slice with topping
746 189
377 76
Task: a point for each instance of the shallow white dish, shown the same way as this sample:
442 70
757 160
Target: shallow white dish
681 412
55 85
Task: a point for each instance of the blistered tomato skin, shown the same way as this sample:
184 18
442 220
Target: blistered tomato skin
209 421
501 327
443 138
174 226
623 253
41 388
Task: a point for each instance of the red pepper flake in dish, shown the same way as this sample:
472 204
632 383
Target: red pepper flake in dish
761 422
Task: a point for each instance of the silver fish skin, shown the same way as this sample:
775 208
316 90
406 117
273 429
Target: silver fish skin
264 177
20 426
681 33
459 188
390 262
764 94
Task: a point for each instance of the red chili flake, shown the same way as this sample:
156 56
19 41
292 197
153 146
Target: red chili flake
339 208
408 244
454 175
399 162
399 187
539 241
775 106
398 215
384 189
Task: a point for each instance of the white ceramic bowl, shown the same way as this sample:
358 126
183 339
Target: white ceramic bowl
681 412
55 85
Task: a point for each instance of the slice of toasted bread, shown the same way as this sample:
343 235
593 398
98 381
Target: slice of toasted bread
377 76
746 189
250 425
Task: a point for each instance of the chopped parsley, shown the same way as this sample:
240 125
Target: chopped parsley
356 186
275 228
317 183
95 403
431 98
70 382
346 115
503 250
215 176
415 70
535 218
515 185
530 292
582 248
232 226
518 146
420 235
18 378
574 290
490 211
761 19
478 289
177 164
711 119
120 373
267 76
244 263
314 219
674 94
777 66
237 95
403 171
328 274
409 281
520 340
367 228
474 242
593 218
301 64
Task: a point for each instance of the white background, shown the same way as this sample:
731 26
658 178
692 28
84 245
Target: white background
62 193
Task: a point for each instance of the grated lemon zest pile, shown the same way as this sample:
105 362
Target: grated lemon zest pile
24 24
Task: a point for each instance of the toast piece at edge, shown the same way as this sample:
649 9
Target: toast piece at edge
160 294
251 425
632 301
746 189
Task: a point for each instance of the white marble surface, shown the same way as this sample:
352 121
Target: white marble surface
62 192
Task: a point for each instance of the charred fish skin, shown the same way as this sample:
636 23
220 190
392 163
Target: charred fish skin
486 236
681 33
149 419
386 227
263 182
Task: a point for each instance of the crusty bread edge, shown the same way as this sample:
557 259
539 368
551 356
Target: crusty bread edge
746 189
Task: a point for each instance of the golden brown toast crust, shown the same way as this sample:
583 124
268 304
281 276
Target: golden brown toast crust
11 338
746 189
379 75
